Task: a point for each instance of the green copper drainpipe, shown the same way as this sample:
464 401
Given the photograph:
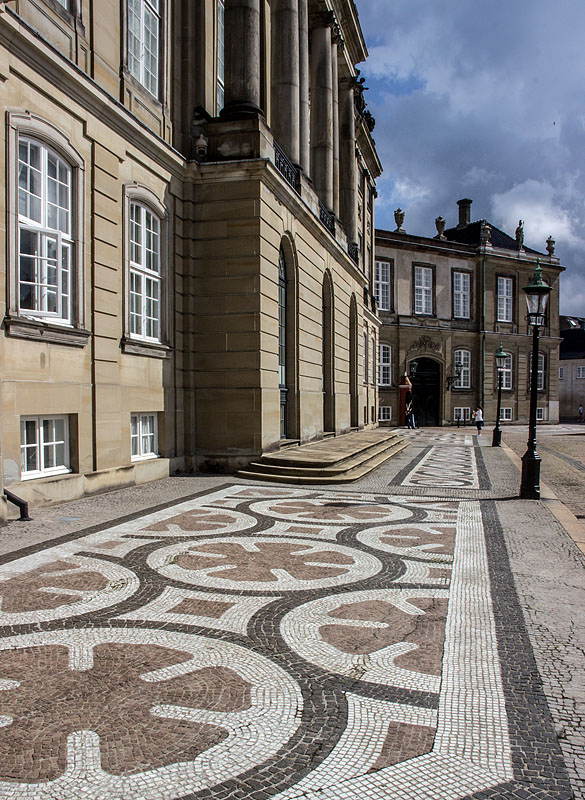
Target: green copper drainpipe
482 400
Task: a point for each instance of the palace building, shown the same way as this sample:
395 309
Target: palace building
446 304
187 227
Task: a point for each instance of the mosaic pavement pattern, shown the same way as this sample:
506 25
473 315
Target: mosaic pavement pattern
259 642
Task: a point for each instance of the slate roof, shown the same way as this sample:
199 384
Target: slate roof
470 234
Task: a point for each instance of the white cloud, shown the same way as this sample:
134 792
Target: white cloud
535 202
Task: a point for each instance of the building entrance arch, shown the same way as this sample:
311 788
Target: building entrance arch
426 391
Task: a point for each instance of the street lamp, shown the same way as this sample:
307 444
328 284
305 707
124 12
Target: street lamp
537 293
500 356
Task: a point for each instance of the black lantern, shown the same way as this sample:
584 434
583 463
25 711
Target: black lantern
500 356
537 293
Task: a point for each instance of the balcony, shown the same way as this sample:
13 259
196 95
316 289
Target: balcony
287 169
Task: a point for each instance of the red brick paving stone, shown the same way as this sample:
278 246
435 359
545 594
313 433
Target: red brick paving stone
201 608
25 592
110 545
417 537
426 630
404 741
243 565
198 519
112 700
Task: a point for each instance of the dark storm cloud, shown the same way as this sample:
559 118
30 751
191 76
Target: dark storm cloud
484 101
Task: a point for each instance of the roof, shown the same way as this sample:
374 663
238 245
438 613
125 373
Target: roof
470 234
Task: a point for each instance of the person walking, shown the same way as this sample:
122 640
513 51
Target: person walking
478 417
580 412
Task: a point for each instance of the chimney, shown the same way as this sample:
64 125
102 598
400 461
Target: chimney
464 212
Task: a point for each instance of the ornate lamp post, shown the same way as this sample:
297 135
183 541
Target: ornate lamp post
537 293
500 357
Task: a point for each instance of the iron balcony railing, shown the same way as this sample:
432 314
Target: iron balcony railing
287 169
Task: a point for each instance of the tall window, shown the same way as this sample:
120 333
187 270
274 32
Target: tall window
145 273
144 42
541 375
507 373
374 355
505 299
365 357
462 361
143 436
44 446
385 377
45 244
423 290
382 285
282 343
461 295
220 55
580 373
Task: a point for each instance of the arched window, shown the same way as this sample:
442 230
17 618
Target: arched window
282 342
462 362
145 273
45 232
365 356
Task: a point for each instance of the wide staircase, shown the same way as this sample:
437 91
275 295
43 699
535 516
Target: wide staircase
338 459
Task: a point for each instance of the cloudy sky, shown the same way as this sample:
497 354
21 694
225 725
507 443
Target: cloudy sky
487 101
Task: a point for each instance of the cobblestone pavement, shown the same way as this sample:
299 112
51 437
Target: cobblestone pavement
401 639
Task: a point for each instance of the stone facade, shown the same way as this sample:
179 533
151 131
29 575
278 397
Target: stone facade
446 304
572 368
188 241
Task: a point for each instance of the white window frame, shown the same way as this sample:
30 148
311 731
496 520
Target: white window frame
382 277
374 355
462 358
145 280
144 42
423 290
507 372
385 365
540 414
462 413
40 444
50 226
506 414
505 299
385 414
24 125
580 373
220 55
144 436
461 295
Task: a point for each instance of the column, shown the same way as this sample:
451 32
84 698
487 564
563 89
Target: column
322 110
335 86
285 77
348 167
304 133
242 59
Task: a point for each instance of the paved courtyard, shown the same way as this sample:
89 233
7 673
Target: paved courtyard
250 641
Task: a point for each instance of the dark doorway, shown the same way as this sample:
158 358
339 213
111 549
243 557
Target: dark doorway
426 391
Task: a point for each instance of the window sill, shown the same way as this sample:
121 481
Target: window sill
40 331
32 476
137 347
148 457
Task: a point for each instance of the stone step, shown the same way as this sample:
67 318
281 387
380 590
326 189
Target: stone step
332 451
349 469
